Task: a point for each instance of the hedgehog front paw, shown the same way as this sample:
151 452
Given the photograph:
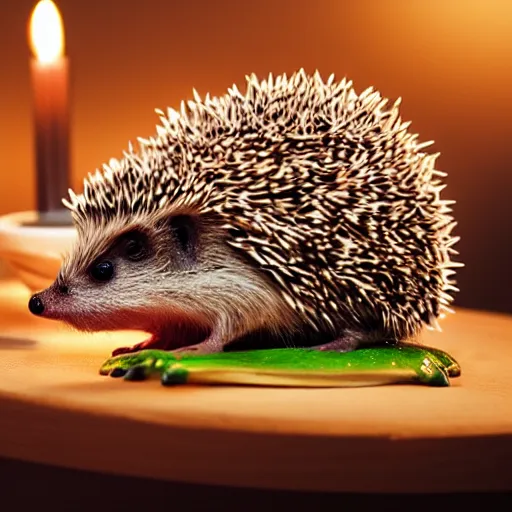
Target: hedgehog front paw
139 365
151 343
127 350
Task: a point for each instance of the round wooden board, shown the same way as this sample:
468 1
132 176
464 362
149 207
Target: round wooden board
56 409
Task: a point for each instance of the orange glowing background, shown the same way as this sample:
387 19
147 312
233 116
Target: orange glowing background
450 60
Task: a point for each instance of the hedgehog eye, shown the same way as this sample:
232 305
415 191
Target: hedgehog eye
103 271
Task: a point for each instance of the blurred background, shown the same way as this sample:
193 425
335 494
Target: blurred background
450 61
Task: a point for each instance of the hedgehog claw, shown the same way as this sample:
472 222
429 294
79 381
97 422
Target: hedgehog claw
151 343
130 350
124 350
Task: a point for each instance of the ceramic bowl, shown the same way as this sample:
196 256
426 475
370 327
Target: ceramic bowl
34 253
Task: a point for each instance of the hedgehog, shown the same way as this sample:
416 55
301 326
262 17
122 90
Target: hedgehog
296 214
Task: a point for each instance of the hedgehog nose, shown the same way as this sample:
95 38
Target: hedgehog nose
35 305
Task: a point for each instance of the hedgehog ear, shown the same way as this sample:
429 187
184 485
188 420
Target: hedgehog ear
184 231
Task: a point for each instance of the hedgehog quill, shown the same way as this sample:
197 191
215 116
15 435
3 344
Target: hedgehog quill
296 214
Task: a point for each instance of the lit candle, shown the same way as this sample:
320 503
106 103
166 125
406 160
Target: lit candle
49 71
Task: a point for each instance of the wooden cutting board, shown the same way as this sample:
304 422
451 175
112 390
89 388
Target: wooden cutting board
56 409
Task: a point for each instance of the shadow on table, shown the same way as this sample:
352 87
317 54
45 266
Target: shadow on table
12 343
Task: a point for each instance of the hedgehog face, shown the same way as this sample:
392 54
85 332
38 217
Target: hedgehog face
115 274
175 278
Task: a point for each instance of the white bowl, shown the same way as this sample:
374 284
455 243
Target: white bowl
33 252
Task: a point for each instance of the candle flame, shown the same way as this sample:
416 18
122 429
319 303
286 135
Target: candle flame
46 32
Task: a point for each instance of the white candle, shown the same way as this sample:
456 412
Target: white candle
49 73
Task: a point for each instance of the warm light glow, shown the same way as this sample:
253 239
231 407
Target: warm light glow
46 32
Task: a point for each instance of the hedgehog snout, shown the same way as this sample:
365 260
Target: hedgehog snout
36 305
40 304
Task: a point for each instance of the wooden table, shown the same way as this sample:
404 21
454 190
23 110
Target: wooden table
56 409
